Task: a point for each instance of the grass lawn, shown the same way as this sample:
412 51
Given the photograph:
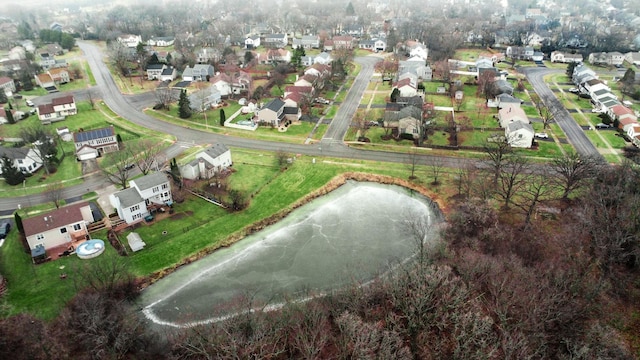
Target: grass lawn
342 95
89 74
614 139
476 138
380 98
331 112
366 98
467 54
546 149
531 111
432 86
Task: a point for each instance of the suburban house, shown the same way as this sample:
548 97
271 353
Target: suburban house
206 55
503 87
24 159
276 40
199 72
252 42
633 57
46 82
205 98
633 133
415 48
562 57
272 113
91 144
603 58
407 86
59 227
622 114
318 70
154 71
207 163
519 134
233 83
7 85
46 61
275 56
59 75
511 114
594 85
129 40
306 80
161 41
582 73
416 66
505 100
57 110
134 203
375 45
306 60
307 42
343 42
327 45
323 58
168 74
410 125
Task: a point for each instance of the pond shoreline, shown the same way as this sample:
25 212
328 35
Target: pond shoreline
333 184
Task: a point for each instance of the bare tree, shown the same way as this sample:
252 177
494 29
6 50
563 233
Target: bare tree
165 96
282 159
414 158
144 154
119 57
497 153
511 178
91 99
54 193
361 124
117 168
537 188
573 171
43 143
436 165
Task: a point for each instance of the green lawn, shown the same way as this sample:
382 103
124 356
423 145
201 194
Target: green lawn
476 138
331 112
380 98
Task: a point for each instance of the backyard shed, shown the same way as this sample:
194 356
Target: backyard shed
135 242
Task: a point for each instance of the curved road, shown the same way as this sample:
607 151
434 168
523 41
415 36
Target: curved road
567 123
129 107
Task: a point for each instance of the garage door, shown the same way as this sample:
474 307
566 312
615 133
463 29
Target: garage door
86 156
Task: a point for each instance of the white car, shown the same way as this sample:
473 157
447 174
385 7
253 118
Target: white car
574 90
541 135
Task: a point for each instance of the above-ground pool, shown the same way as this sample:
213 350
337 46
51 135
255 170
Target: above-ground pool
90 249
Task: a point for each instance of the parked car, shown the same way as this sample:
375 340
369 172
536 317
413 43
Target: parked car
602 126
574 90
5 227
541 135
30 103
129 166
17 96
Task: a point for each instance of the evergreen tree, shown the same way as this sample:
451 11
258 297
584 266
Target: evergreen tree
184 105
628 81
9 115
394 95
25 81
67 41
223 117
18 220
296 58
570 68
350 10
248 57
11 174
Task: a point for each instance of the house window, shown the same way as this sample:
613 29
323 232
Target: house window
164 186
77 227
63 230
136 216
19 161
156 189
166 194
134 208
40 237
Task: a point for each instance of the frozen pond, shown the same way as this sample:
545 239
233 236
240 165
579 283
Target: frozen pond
352 234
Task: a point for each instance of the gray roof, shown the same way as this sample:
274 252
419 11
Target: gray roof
275 105
155 66
167 71
129 197
216 150
13 153
93 134
151 180
517 125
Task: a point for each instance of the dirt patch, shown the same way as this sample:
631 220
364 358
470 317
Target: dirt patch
181 215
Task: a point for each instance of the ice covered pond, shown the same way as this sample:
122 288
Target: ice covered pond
353 234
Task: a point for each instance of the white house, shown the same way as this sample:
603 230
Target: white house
133 204
519 134
323 58
7 85
562 57
129 40
169 73
306 42
208 162
633 57
416 66
276 40
91 144
161 41
58 227
24 159
252 42
407 87
154 71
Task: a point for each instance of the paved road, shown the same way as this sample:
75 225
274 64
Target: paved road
130 106
575 134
